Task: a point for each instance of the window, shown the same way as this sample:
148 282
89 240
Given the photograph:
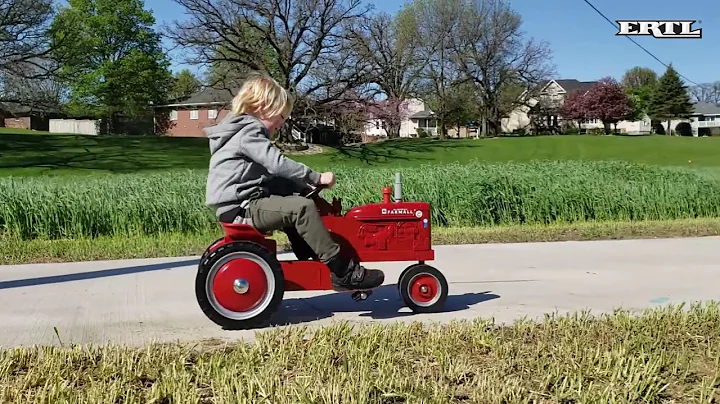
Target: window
173 115
194 114
212 114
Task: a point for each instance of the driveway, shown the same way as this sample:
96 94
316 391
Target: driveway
140 301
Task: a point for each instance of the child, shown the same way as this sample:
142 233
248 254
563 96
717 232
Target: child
250 178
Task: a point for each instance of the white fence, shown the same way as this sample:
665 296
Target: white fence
77 126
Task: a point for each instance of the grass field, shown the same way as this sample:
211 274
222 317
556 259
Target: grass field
68 154
460 195
668 355
502 187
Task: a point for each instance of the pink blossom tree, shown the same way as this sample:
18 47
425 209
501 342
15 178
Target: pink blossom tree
574 107
391 112
608 102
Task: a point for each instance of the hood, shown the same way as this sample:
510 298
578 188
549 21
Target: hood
219 134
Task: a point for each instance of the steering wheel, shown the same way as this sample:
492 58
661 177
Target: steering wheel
314 191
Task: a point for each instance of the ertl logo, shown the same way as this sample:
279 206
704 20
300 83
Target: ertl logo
660 29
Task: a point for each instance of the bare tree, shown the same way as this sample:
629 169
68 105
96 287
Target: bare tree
388 47
436 23
26 65
296 41
706 92
491 52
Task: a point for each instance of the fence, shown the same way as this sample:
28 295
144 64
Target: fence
76 126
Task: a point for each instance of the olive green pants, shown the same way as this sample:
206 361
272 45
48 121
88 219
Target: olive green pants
296 216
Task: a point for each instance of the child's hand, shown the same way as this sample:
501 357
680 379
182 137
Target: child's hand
327 179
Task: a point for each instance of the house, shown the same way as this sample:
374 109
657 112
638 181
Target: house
545 109
188 117
550 98
28 117
704 121
415 117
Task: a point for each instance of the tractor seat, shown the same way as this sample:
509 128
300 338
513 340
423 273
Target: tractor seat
243 226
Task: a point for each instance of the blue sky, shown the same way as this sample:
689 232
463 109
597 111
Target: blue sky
584 44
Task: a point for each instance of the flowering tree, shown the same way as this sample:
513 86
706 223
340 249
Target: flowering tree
391 112
574 107
606 101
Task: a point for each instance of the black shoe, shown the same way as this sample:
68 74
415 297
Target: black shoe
357 277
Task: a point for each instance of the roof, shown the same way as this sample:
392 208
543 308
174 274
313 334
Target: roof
706 108
571 85
422 114
206 96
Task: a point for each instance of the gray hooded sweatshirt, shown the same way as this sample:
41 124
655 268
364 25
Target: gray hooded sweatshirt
243 160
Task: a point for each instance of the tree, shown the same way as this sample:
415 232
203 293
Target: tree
228 66
706 92
390 112
639 77
435 22
112 58
670 98
639 83
26 63
493 53
184 84
574 107
306 38
607 102
388 47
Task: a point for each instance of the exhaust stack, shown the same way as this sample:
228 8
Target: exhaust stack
398 188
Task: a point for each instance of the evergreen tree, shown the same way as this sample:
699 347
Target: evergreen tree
670 99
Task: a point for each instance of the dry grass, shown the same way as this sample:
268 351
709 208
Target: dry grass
17 251
669 355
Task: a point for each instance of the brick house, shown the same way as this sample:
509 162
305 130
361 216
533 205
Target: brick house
188 118
27 117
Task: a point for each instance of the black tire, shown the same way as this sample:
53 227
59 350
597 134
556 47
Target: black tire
439 298
207 250
206 270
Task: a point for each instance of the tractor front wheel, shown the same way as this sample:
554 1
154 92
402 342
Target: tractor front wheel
423 288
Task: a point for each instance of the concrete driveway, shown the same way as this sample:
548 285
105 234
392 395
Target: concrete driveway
139 301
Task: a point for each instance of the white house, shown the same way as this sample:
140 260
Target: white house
417 115
704 121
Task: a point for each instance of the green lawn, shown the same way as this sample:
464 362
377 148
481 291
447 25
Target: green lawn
21 154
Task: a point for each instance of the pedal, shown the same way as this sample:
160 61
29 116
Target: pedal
360 295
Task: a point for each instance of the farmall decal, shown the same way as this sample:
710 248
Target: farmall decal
402 211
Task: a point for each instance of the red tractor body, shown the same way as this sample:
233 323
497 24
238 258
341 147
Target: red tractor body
388 231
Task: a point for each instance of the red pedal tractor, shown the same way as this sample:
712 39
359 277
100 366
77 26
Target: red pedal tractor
240 282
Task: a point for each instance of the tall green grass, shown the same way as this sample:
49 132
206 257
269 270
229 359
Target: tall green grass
460 195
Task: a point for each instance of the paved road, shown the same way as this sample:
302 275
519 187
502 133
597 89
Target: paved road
138 301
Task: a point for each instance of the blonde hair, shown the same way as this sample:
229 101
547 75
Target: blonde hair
263 97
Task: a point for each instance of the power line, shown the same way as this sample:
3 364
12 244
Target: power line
633 41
